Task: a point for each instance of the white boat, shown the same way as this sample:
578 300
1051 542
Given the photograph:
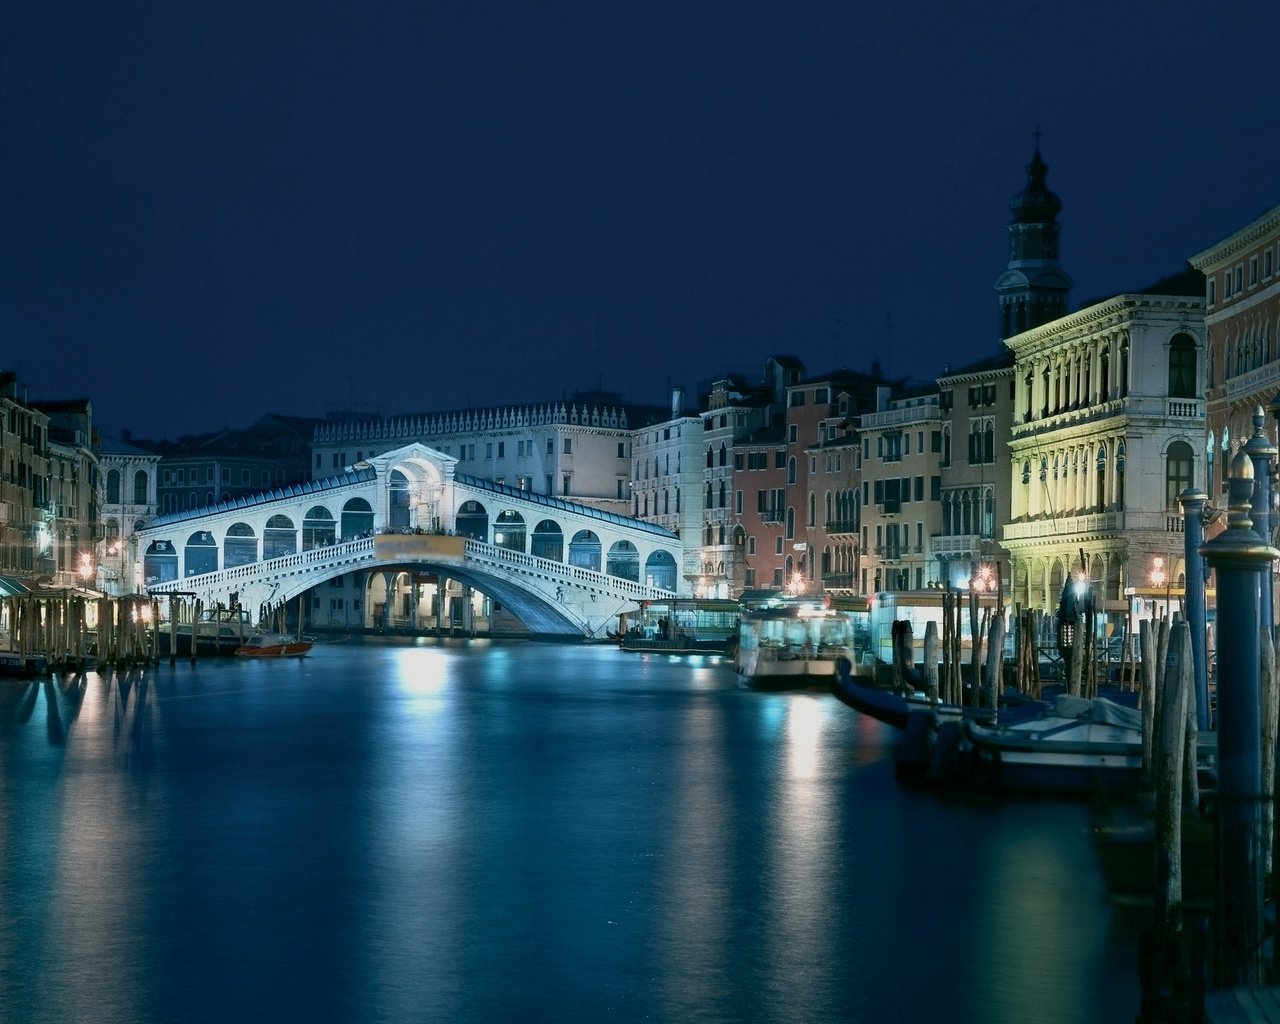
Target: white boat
1077 747
794 645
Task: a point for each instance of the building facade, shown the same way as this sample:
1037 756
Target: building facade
901 490
976 403
127 476
580 449
1242 360
1108 432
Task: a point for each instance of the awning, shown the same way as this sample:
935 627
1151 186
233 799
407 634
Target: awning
12 587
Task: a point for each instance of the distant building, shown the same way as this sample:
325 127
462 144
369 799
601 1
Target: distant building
72 510
578 448
25 539
204 469
127 501
901 491
976 403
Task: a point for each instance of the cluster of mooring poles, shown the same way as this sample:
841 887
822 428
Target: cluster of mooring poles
63 631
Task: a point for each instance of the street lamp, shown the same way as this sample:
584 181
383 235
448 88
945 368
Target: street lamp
1160 577
85 567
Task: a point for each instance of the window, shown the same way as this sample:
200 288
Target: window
821 396
488 449
1212 295
796 399
1177 473
777 545
622 450
792 433
568 448
1266 263
1253 271
502 449
551 448
1182 367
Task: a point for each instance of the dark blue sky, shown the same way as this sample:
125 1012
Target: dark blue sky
215 211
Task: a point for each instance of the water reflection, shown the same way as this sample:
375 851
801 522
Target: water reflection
479 832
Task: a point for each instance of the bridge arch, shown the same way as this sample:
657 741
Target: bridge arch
240 546
318 528
200 554
357 518
279 538
584 550
548 541
623 561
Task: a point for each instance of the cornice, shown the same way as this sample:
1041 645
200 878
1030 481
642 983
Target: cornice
1119 311
1237 242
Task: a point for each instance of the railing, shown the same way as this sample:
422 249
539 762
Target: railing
842 526
481 552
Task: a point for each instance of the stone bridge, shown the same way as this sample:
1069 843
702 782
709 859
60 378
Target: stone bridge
563 568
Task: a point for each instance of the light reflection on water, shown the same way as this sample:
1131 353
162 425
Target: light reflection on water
477 832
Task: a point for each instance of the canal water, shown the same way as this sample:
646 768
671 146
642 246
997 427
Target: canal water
485 832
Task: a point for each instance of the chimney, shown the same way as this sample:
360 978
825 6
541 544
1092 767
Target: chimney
677 402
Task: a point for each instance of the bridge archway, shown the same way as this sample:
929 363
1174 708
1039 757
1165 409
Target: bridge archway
624 561
548 541
357 518
279 538
584 550
318 528
201 554
240 547
472 520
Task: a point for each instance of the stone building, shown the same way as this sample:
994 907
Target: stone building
127 477
1242 361
1109 428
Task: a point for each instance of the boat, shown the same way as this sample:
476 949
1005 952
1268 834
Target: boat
218 632
273 645
683 626
893 708
16 665
1080 746
797 645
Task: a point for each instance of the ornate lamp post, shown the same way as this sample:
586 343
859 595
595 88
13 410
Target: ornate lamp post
1239 557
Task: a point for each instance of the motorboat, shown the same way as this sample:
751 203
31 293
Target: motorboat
273 645
218 631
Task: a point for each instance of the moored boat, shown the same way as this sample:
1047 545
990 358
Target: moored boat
795 645
218 632
273 645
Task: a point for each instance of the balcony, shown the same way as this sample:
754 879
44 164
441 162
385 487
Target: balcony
836 526
1104 523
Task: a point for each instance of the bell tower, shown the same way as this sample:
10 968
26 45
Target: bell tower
1033 288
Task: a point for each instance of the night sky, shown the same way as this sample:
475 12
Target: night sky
214 211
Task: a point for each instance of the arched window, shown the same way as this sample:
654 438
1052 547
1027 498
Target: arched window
140 488
791 470
1182 367
1179 461
113 487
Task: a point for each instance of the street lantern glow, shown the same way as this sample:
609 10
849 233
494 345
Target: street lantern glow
85 566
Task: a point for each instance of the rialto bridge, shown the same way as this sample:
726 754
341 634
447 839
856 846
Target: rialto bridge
402 522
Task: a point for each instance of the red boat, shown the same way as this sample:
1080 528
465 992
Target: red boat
273 645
